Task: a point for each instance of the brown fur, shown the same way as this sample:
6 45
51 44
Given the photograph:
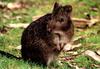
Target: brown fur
43 39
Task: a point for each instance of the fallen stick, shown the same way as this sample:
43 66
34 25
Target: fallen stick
80 23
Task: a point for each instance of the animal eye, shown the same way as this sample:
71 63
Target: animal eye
61 20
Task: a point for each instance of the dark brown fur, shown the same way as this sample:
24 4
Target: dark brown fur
43 39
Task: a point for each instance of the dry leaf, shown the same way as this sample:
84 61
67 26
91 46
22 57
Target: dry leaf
92 22
19 25
80 23
98 66
71 47
98 52
18 47
75 66
73 44
83 23
15 5
72 53
92 55
77 40
2 5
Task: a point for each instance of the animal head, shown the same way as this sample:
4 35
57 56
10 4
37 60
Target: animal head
61 23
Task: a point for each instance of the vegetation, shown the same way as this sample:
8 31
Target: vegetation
10 39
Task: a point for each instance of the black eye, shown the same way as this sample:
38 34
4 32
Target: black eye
67 26
61 20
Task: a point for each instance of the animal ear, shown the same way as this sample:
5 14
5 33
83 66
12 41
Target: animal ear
56 5
68 8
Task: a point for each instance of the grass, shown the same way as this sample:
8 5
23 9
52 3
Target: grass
84 61
11 39
6 63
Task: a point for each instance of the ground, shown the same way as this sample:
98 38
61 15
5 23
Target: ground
10 37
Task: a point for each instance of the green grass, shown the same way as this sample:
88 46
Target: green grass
10 40
7 63
86 62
